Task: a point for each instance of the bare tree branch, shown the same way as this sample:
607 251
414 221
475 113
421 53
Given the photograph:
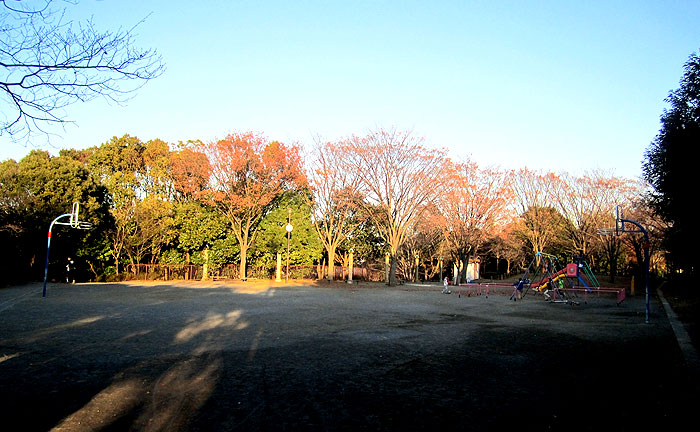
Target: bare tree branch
48 62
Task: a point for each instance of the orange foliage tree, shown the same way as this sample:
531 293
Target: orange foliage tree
473 203
248 175
190 171
397 176
506 245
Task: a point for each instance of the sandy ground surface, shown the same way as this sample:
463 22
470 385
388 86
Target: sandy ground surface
262 356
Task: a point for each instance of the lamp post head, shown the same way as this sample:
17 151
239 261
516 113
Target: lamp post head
289 227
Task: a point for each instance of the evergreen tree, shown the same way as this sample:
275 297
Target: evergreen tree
305 247
33 192
669 167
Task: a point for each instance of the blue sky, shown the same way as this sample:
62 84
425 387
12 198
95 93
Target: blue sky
553 85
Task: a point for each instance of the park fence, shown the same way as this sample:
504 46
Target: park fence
231 271
163 272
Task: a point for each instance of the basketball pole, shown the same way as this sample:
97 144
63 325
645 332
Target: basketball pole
48 246
73 222
620 222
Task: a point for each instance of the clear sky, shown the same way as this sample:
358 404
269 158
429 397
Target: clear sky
556 85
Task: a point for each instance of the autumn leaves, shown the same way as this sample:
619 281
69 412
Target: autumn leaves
382 193
393 181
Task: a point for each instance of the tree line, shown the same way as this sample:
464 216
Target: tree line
381 194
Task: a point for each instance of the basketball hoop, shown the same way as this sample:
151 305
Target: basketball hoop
620 222
73 222
608 231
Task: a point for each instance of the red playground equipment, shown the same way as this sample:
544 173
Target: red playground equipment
560 283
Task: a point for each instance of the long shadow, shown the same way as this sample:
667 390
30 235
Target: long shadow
84 359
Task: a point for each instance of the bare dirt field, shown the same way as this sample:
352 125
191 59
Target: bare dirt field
224 356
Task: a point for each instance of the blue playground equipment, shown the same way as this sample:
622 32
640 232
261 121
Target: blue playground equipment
559 283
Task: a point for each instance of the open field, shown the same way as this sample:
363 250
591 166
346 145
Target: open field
263 356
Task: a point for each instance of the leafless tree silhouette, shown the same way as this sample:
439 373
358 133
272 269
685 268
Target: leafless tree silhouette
48 62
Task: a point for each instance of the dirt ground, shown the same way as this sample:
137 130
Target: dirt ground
224 356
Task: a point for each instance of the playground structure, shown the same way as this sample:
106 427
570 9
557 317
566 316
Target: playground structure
559 282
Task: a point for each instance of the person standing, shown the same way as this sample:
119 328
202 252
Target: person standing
69 266
446 284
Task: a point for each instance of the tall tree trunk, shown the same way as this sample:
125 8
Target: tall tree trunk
392 270
465 268
242 265
331 263
458 272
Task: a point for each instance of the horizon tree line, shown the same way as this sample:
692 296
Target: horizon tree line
382 193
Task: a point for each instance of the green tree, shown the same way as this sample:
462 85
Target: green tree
34 191
669 168
158 178
142 180
364 238
543 229
118 163
152 230
304 245
197 226
248 176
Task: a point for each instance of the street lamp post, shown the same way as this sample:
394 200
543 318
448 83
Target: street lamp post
289 229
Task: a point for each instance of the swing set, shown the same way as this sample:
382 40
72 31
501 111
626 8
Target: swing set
558 282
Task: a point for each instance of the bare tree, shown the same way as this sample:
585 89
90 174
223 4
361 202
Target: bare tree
49 62
424 244
534 194
334 198
581 200
588 202
398 176
475 201
613 192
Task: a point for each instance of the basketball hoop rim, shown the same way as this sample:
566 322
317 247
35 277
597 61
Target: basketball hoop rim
608 232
